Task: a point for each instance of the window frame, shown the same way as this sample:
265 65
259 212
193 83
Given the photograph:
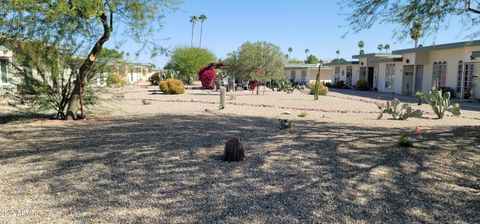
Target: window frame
4 67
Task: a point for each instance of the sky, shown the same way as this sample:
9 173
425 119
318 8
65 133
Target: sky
317 25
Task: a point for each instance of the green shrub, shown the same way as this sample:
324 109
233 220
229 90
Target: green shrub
172 86
322 89
362 85
154 79
116 80
285 86
303 114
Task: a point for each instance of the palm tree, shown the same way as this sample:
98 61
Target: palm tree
290 49
416 32
202 19
193 20
380 47
338 53
387 47
361 45
306 52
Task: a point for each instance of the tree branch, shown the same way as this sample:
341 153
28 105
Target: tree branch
470 9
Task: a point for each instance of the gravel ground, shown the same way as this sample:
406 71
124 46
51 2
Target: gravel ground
162 166
333 108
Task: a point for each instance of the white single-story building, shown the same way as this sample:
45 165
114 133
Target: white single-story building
347 71
306 73
452 66
132 72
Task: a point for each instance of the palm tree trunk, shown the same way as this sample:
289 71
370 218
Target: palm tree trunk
75 100
193 28
416 43
201 34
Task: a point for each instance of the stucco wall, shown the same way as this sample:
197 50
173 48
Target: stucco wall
325 75
397 83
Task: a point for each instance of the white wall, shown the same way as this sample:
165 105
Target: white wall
325 74
397 83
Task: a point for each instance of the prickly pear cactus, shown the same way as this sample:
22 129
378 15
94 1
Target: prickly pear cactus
398 111
440 103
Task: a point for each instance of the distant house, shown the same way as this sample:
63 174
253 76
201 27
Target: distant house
131 72
347 71
451 66
306 73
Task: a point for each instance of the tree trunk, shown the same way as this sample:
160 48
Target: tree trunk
193 28
201 34
75 99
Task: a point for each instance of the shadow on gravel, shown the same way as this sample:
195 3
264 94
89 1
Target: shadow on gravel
8 118
114 171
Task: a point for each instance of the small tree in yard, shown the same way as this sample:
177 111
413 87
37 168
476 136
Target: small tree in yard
83 25
259 61
187 61
51 85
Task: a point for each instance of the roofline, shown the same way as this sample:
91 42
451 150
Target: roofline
439 47
379 55
299 67
386 60
342 63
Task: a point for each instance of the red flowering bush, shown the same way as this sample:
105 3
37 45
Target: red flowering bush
207 77
252 85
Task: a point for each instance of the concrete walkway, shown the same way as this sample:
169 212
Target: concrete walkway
473 105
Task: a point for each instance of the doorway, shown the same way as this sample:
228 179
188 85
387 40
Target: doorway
363 73
419 78
370 77
349 77
407 80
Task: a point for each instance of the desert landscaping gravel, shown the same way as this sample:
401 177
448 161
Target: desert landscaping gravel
160 163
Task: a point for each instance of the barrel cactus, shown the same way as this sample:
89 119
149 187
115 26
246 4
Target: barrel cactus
440 103
234 150
285 123
398 111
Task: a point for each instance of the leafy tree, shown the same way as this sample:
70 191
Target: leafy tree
425 17
110 53
44 76
202 19
261 61
83 25
338 60
193 20
311 59
188 60
295 61
338 53
306 52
